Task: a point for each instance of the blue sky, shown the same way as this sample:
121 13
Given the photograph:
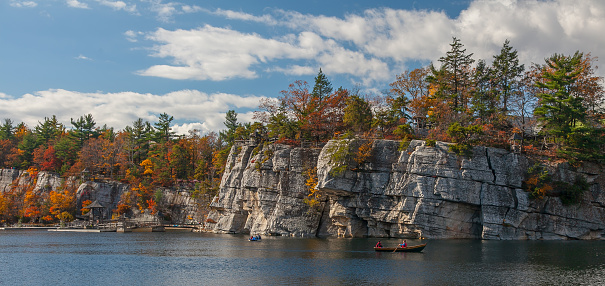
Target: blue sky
195 60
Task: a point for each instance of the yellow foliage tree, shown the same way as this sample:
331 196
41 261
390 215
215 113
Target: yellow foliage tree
148 165
61 202
312 181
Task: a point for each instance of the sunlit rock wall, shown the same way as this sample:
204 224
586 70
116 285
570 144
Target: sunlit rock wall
423 191
263 191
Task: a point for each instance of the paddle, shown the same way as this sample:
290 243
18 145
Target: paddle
397 246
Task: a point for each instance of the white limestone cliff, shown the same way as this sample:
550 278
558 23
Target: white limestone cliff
423 191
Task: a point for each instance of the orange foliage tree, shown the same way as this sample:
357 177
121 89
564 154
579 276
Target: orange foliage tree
32 204
85 203
63 201
412 84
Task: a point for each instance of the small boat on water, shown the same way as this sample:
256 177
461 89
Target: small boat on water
415 248
254 238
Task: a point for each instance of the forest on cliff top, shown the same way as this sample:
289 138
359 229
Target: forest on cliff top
552 109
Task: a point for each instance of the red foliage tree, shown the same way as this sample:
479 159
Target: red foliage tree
46 159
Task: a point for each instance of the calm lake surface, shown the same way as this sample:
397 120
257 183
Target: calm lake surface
34 257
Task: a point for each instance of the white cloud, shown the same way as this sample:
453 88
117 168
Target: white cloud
131 36
229 14
164 10
119 5
190 108
385 33
536 28
191 9
353 28
296 70
23 4
211 53
82 57
77 4
342 61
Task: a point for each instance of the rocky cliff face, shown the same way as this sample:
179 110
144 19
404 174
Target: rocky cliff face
176 204
263 191
424 191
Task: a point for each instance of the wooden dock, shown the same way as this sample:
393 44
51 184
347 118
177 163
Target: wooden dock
76 230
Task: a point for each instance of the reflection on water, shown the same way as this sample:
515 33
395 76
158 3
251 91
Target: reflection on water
55 258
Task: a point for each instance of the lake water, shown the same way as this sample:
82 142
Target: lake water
34 257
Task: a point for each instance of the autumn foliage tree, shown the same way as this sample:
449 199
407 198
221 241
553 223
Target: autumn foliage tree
304 115
46 159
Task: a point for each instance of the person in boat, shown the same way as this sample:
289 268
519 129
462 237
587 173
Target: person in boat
403 244
379 244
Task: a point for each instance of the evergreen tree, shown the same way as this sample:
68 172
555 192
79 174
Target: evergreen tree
506 73
453 78
140 135
48 131
162 129
558 109
228 136
7 130
562 111
84 128
66 149
322 87
181 161
27 146
484 99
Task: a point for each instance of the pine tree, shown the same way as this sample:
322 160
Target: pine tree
484 99
563 113
48 131
84 128
228 136
322 87
454 76
7 130
139 137
558 109
506 74
162 128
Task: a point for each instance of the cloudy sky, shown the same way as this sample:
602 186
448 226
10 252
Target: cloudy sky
195 60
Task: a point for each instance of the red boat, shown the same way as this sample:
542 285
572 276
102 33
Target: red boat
415 248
